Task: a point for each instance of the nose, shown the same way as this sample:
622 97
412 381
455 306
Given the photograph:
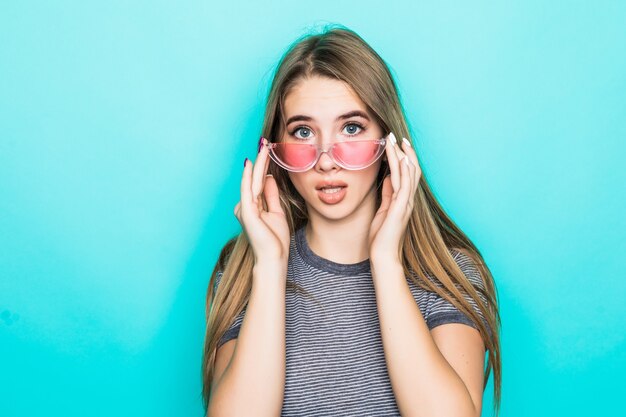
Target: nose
325 162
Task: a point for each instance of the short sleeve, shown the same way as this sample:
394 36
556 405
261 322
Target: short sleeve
440 311
233 330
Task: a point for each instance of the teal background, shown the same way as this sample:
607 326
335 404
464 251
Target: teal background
123 129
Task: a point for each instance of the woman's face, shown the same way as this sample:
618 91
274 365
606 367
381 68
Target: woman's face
323 101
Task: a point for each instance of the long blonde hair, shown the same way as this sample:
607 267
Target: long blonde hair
341 54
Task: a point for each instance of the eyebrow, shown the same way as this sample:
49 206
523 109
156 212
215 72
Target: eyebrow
353 113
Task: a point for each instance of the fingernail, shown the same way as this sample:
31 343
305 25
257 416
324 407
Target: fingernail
244 162
406 141
260 144
393 138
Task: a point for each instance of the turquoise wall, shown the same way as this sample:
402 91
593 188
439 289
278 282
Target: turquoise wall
123 129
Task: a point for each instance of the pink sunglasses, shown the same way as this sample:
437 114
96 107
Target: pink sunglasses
351 155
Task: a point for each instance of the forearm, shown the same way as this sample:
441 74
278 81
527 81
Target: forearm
423 382
253 383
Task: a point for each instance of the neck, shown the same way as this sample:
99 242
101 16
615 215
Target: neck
344 240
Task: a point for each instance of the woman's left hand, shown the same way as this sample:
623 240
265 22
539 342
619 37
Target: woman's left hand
398 195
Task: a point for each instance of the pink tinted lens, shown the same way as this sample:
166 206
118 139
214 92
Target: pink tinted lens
356 153
295 155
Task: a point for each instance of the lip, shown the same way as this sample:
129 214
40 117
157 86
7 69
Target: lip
333 198
330 184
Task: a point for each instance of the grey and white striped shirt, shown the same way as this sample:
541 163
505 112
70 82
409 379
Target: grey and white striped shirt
335 364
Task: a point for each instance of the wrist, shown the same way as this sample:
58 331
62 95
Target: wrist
269 267
383 261
386 268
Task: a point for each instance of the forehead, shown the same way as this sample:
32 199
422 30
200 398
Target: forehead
322 98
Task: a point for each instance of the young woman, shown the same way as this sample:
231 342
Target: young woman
349 290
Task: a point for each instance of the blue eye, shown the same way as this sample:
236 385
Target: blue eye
351 132
299 128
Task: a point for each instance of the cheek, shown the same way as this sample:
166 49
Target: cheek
375 170
366 178
299 181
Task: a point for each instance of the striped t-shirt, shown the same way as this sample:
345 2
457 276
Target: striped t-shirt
335 363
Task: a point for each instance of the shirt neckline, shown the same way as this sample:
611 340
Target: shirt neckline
324 264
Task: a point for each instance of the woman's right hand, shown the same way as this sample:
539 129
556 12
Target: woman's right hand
267 231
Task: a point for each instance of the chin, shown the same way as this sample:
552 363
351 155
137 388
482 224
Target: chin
348 206
332 213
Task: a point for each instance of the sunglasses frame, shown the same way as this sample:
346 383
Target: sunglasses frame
329 151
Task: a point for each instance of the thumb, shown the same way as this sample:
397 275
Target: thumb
270 191
387 194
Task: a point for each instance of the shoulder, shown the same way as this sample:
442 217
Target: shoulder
468 264
440 307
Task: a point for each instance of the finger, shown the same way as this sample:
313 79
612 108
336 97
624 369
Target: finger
392 160
258 171
399 152
270 191
251 222
410 164
267 159
409 150
402 197
247 203
386 194
265 174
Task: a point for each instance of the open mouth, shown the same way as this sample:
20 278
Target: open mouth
331 190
